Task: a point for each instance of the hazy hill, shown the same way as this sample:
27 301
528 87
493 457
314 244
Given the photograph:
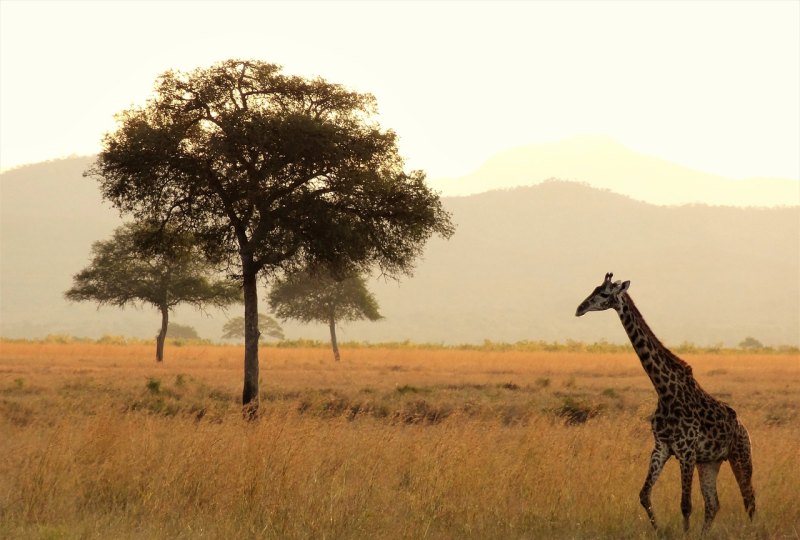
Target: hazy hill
523 259
605 164
49 217
518 266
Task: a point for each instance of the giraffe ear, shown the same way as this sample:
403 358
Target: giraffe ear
624 286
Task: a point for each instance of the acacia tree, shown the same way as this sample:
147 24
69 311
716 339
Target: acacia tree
267 326
181 331
276 171
144 264
321 297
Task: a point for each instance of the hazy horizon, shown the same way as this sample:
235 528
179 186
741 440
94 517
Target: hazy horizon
603 163
516 268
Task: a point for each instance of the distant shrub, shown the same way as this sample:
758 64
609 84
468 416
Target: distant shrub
112 340
687 347
153 385
59 338
180 331
407 389
610 392
422 412
301 344
751 343
575 413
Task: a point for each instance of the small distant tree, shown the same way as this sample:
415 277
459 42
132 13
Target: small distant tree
320 297
267 326
751 343
145 264
181 331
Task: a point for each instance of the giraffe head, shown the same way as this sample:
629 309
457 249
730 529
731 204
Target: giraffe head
604 297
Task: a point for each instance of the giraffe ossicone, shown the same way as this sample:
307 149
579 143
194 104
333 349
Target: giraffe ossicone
690 424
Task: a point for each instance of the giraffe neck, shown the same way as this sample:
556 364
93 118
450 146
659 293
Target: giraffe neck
666 371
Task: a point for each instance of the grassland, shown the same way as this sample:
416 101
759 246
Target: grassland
98 441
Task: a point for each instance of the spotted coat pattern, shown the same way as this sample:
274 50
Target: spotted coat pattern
690 424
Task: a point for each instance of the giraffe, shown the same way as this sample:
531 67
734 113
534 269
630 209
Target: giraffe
699 430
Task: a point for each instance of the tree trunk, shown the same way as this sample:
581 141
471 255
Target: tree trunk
332 325
162 334
251 335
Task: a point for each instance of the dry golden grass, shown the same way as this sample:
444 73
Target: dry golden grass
97 441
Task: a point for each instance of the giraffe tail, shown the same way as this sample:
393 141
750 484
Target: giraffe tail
741 460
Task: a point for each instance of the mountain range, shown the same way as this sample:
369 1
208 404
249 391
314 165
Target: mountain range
603 163
520 262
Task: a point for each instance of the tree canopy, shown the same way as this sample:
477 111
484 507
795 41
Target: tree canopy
145 264
321 297
273 172
751 343
181 331
267 327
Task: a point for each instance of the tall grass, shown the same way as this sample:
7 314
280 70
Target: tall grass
98 441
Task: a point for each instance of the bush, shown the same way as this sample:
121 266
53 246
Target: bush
153 385
112 340
59 338
751 343
575 413
180 331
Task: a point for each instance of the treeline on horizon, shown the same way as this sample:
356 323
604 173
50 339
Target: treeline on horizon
748 345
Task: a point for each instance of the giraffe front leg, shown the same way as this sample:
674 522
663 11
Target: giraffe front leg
658 458
687 473
708 485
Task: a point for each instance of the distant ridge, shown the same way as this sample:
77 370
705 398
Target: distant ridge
603 163
518 265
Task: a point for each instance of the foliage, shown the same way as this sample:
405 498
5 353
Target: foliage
142 263
242 155
180 331
751 343
108 339
153 385
156 265
269 327
320 297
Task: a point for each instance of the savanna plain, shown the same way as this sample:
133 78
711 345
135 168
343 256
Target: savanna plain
99 441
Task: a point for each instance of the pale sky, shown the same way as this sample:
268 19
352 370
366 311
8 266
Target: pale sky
711 85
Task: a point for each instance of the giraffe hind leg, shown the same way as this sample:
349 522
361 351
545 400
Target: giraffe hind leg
708 486
658 458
